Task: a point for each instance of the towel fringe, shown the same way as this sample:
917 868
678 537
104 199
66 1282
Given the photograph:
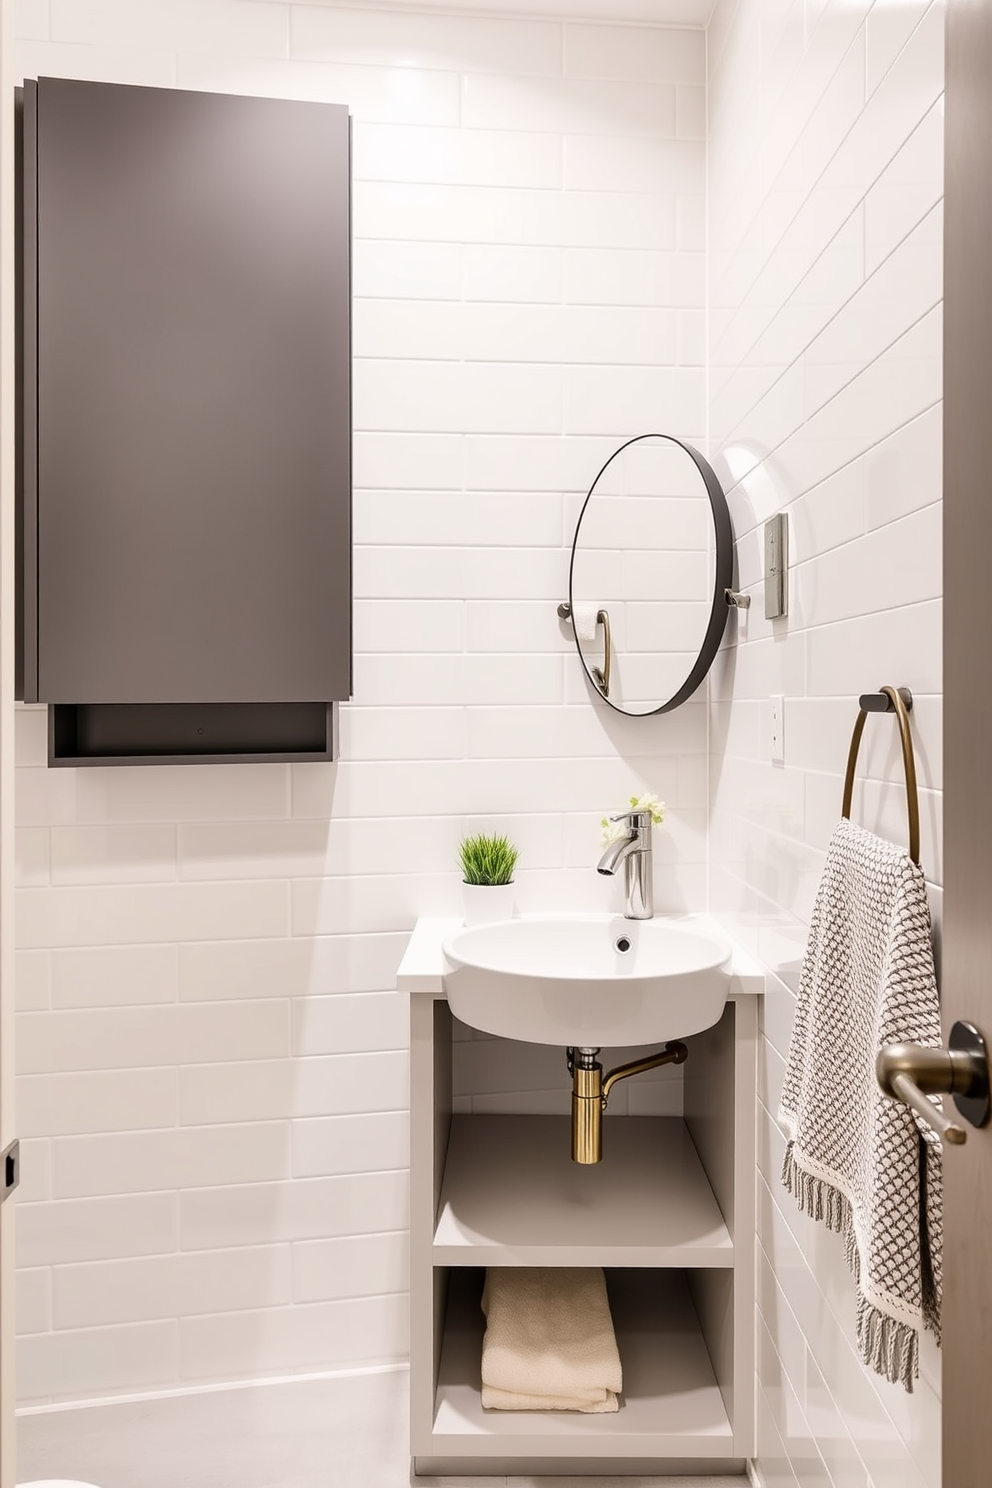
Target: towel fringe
817 1198
888 1346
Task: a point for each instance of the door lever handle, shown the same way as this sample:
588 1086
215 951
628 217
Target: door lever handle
911 1072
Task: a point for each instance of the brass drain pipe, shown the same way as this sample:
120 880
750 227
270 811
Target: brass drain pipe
590 1093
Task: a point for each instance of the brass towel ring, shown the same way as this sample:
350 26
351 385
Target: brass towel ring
898 701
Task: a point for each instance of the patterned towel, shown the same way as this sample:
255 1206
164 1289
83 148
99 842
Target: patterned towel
858 1161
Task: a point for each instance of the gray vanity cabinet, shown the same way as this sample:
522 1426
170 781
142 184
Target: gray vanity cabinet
186 458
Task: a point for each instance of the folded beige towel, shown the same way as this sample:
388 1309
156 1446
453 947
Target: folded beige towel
549 1341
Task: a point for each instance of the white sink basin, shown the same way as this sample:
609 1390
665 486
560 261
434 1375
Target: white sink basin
596 981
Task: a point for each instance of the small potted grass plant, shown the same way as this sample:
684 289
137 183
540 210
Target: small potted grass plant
488 861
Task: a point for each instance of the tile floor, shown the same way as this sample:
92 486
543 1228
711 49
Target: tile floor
340 1433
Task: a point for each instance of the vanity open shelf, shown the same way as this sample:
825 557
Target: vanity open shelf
670 1398
511 1196
669 1214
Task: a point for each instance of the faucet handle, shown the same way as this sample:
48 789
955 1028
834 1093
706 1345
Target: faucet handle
635 816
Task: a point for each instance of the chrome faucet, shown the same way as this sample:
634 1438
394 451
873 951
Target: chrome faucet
634 852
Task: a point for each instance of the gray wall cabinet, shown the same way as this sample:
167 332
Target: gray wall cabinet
186 400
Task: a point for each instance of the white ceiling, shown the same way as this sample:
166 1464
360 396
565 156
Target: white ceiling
645 12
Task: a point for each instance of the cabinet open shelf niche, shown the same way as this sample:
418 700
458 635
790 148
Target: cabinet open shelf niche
669 1213
670 1394
511 1196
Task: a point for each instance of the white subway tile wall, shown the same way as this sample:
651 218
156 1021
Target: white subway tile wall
213 1068
825 180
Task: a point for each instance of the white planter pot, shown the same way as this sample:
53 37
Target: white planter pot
485 903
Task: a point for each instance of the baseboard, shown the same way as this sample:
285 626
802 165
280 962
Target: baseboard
212 1388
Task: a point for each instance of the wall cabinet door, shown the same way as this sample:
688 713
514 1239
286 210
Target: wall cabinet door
188 477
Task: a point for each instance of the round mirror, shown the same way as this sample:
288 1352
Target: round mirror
652 559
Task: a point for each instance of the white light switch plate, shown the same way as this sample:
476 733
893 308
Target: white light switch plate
777 720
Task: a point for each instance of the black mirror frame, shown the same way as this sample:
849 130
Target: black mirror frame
723 574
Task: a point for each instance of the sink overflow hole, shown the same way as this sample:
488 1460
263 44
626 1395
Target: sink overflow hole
622 944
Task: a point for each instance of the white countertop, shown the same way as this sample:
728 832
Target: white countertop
423 966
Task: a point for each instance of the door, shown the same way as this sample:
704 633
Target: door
967 951
7 1324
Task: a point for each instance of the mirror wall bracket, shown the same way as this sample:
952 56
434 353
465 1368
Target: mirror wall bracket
737 601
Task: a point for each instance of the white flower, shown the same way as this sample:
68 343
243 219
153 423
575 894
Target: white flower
614 830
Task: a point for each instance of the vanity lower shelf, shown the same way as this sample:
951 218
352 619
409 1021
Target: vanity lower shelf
671 1403
511 1195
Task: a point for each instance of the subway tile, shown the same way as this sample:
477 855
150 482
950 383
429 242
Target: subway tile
304 1209
290 968
497 625
605 163
72 1230
33 1300
274 1089
113 855
172 793
31 731
450 42
32 857
407 462
479 398
605 400
364 1023
886 32
508 273
495 787
452 681
44 797
460 519
271 850
106 62
485 572
384 95
259 30
569 105
311 848
325 1146
621 276
536 463
145 1288
132 914
899 564
402 271
910 185
407 733
435 213
354 1266
35 1170
95 1101
905 472
105 976
583 731
901 643
331 906
521 334
186 1157
324 1335
457 157
96 1038
653 54
30 20
690 113
97 1361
